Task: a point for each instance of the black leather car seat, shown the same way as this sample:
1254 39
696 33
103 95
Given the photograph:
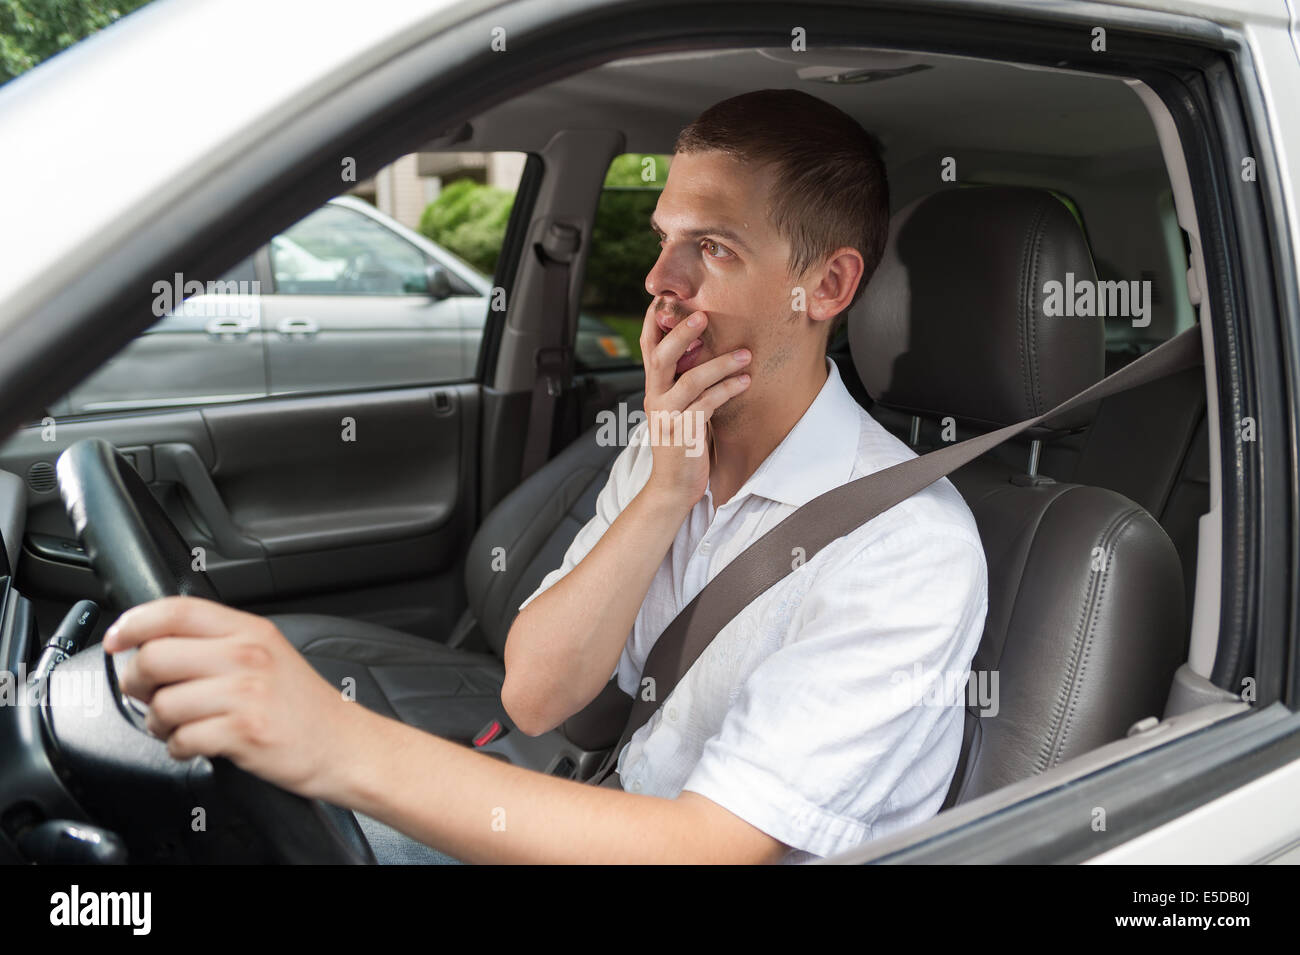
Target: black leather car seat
1085 622
452 692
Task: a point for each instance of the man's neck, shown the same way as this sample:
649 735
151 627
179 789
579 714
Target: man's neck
740 447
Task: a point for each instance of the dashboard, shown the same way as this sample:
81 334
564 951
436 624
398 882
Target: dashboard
17 618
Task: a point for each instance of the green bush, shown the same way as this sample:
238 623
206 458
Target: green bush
623 248
470 219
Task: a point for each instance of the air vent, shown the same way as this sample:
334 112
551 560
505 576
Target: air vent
40 477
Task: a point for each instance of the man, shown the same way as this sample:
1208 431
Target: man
809 725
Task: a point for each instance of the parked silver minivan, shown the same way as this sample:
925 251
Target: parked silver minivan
346 299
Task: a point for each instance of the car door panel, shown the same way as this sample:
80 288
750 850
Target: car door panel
51 566
367 495
348 470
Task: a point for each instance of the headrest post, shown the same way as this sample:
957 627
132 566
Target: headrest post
914 435
1034 447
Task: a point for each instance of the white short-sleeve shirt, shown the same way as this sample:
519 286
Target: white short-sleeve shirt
829 711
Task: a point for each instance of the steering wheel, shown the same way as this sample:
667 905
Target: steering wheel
165 809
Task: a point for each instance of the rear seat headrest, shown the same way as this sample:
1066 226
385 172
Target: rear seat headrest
953 322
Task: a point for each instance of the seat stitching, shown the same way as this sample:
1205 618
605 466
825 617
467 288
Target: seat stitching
1030 310
1061 721
1023 313
1119 526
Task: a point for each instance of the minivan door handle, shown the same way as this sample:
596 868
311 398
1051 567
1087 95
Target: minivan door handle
297 328
229 329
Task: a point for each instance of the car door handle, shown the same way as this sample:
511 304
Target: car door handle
228 329
180 463
297 328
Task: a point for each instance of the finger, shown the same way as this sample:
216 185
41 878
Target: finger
175 659
214 736
651 333
171 616
191 702
693 383
717 395
661 363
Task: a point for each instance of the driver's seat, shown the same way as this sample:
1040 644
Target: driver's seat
451 692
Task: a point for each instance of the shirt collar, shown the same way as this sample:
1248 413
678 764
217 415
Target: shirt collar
817 454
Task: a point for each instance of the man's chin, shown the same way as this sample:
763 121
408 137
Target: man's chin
730 414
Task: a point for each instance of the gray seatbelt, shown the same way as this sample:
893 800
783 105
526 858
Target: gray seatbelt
554 363
840 511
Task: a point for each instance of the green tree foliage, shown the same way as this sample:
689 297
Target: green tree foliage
34 30
470 219
623 248
643 170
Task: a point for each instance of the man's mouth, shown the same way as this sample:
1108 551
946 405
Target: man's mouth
693 356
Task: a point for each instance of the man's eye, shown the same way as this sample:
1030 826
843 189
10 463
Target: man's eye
716 249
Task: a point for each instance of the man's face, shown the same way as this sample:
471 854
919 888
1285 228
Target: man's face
721 255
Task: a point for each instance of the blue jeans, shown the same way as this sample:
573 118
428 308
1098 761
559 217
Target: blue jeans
395 848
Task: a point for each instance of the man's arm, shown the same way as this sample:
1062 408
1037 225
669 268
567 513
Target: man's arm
480 809
562 647
221 682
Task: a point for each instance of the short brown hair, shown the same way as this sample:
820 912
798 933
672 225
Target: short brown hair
830 188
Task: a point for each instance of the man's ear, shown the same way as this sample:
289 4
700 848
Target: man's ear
834 283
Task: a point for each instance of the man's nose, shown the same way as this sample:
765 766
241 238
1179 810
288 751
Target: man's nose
667 277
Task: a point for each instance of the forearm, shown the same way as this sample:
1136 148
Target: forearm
481 810
563 646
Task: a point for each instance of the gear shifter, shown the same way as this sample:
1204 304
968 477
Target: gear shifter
69 637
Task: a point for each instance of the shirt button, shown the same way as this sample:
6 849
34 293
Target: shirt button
672 714
635 787
705 546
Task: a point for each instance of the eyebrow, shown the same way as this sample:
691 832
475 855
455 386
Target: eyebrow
721 231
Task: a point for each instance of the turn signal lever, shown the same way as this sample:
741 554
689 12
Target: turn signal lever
69 637
64 842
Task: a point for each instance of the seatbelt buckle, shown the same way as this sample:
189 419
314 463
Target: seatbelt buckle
494 730
551 362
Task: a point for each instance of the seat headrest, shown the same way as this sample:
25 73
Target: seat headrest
954 321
